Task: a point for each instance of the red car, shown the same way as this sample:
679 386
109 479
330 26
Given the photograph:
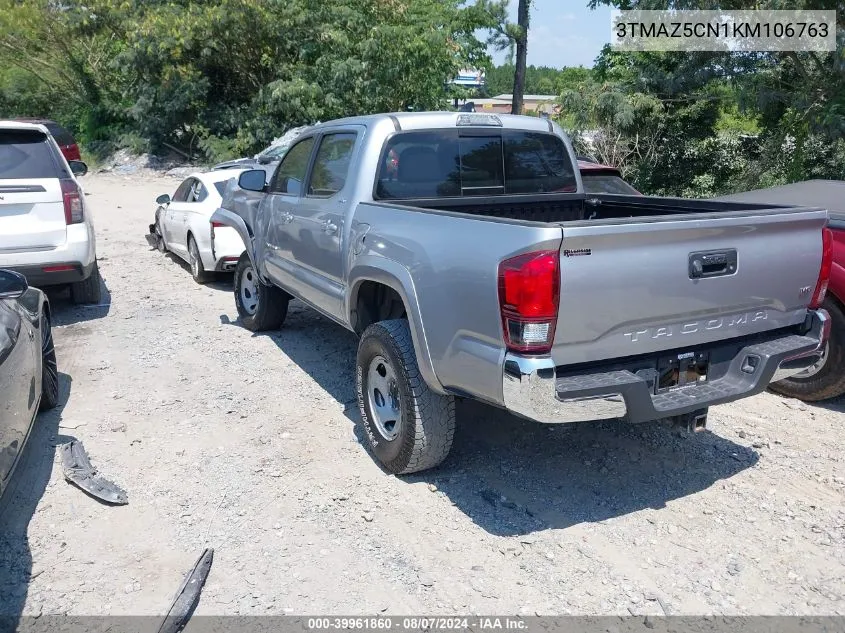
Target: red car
64 139
598 178
826 379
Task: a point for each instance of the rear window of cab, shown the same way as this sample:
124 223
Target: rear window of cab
460 163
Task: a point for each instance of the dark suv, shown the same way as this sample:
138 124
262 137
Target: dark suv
64 139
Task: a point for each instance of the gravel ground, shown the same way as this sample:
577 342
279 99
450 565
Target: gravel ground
249 444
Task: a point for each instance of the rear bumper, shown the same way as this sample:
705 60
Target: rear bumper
534 388
78 253
227 264
56 274
226 248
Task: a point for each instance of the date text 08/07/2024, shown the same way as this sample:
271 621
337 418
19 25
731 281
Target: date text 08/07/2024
415 623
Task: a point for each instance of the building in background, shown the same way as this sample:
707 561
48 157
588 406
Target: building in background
541 104
469 79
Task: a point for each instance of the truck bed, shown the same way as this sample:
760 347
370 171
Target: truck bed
557 208
629 284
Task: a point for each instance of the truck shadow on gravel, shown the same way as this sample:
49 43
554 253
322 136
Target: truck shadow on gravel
836 404
512 476
18 507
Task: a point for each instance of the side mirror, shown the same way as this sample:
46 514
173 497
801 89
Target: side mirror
252 180
163 199
77 167
12 284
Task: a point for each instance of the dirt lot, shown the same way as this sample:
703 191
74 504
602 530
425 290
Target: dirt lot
248 443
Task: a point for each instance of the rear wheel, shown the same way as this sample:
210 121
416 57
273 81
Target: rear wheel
410 427
160 243
88 290
49 368
198 271
260 307
825 379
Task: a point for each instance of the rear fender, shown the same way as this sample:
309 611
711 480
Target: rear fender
229 218
396 276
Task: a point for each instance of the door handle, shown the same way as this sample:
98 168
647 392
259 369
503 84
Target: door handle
329 227
714 264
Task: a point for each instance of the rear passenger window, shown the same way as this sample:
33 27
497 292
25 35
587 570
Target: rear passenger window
331 165
26 154
198 193
184 191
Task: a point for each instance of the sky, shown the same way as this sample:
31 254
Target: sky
562 33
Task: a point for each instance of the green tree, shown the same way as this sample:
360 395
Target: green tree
794 102
538 79
226 76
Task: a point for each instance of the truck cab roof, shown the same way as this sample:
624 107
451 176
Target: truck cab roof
403 121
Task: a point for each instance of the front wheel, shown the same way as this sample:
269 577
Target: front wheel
825 379
260 307
410 427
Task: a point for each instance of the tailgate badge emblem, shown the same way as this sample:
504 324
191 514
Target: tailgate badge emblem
804 291
577 252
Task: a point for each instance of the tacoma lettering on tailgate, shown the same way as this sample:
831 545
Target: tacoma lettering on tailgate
692 327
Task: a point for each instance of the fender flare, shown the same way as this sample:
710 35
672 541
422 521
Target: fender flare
396 276
229 218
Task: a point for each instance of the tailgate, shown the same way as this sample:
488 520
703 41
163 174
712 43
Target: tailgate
32 214
640 286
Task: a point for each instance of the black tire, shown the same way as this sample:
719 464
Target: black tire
421 436
87 290
260 307
49 368
829 381
198 272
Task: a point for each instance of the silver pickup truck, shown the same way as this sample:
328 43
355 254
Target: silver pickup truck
462 250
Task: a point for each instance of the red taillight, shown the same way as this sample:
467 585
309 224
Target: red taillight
824 271
72 198
529 293
71 152
215 225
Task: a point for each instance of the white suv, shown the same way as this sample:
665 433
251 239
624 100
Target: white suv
46 232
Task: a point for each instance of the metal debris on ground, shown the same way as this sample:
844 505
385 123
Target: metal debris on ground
188 596
79 471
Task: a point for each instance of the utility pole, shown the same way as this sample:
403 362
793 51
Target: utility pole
522 19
